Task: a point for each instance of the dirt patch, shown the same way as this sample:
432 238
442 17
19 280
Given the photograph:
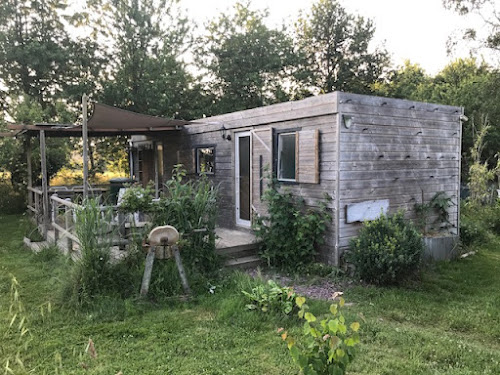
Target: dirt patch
315 288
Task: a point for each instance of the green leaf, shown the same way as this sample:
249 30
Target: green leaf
333 309
355 326
300 301
333 325
310 317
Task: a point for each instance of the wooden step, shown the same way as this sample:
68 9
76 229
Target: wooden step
244 262
239 250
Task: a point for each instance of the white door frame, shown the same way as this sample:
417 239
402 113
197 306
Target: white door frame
237 136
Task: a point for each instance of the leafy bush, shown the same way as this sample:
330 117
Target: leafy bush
386 250
11 202
270 297
91 273
290 233
191 207
477 220
329 344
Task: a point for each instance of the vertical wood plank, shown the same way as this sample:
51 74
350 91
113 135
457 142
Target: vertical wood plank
85 149
29 169
45 188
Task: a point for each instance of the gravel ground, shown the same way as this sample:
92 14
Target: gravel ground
315 288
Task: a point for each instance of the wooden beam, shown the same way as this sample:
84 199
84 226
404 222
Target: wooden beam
29 169
157 172
45 185
85 149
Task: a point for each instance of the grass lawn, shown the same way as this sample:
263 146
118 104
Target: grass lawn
449 323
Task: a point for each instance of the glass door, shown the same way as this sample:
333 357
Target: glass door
242 178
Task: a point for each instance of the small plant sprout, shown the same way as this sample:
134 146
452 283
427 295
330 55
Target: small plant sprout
329 344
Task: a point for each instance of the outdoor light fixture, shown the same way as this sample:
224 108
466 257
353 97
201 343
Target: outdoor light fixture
225 136
347 120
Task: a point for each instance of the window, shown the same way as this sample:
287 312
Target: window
286 156
205 160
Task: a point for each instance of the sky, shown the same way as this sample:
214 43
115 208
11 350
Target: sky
409 29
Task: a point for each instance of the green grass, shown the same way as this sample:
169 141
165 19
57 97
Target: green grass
449 323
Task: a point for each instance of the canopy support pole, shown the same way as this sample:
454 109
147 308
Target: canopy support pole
29 169
85 148
45 185
157 176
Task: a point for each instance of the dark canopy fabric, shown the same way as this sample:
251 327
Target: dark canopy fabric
105 117
105 121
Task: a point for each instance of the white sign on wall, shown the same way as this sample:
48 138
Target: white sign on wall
366 211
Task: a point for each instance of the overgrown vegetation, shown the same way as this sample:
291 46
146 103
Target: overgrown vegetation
270 298
387 250
290 232
329 345
438 205
447 324
189 206
11 201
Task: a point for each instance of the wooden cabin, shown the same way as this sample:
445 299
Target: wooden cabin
370 154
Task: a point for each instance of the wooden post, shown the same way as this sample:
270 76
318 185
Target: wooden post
67 226
85 148
146 279
29 169
157 176
180 267
55 208
37 207
45 185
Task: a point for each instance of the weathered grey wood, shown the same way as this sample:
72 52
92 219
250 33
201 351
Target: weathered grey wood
382 139
67 225
148 268
379 101
180 268
439 115
386 122
45 188
29 168
388 165
85 148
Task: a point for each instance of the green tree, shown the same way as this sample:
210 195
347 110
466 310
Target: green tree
249 64
12 155
38 58
146 41
489 11
336 46
405 82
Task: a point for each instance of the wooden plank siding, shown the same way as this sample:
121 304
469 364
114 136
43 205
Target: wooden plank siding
399 150
315 116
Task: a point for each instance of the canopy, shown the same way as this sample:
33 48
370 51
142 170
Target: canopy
105 121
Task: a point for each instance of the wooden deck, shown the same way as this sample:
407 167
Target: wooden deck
238 247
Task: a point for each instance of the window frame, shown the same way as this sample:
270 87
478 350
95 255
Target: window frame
277 134
197 159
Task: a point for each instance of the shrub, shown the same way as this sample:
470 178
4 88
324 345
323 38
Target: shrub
476 220
270 297
290 233
11 202
329 344
191 207
386 250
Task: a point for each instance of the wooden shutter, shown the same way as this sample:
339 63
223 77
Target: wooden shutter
307 157
262 163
